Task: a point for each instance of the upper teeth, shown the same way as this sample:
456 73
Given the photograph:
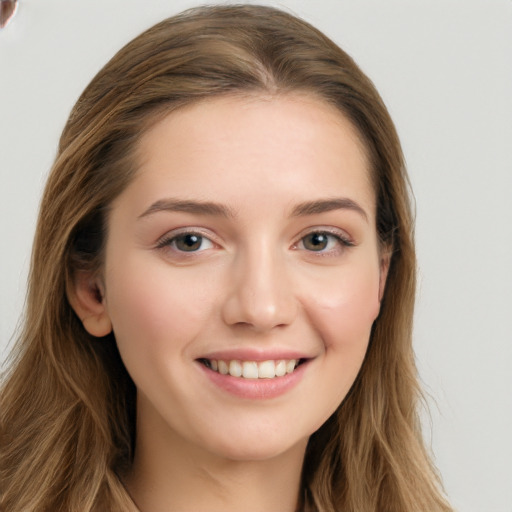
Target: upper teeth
254 369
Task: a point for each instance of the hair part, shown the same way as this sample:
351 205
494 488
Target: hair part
68 403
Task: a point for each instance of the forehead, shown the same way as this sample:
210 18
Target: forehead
231 146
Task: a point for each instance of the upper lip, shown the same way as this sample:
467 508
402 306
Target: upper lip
254 354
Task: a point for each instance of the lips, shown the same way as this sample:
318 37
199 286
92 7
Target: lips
268 369
254 374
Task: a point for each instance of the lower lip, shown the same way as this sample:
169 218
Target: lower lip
255 389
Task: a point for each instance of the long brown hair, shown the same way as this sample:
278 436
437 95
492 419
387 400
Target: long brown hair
68 402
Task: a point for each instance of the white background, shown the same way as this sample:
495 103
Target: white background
444 68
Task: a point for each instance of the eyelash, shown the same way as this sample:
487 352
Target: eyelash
171 239
341 240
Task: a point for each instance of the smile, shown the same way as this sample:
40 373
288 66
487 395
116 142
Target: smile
253 369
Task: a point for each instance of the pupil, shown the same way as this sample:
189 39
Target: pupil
316 241
189 242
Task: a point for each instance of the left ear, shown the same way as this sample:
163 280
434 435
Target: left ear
385 261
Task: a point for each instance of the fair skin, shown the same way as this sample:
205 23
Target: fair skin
248 235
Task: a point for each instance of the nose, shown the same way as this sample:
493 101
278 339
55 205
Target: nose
261 295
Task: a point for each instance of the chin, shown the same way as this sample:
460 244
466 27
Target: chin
246 449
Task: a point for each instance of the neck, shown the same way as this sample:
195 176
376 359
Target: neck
171 475
216 486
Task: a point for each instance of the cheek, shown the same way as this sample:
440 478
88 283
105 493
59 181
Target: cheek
155 309
342 315
344 309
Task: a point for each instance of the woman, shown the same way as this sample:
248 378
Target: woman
222 286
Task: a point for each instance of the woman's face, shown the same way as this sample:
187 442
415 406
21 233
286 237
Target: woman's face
243 273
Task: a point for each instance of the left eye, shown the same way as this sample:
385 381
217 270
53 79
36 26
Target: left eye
320 241
188 242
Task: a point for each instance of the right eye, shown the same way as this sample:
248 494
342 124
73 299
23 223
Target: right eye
186 242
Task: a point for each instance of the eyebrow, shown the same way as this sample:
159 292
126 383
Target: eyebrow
327 205
183 205
211 208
